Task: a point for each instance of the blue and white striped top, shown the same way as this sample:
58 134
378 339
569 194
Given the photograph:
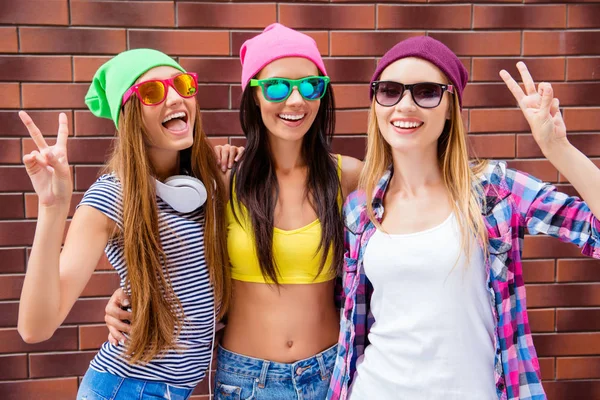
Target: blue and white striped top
182 239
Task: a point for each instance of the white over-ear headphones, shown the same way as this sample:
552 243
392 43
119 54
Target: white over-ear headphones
184 193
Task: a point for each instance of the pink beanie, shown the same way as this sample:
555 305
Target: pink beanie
275 42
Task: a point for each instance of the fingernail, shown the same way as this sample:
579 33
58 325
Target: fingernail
126 302
122 342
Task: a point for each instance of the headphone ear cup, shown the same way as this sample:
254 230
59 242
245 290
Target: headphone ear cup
183 193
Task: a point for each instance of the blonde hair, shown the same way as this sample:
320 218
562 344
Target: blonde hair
458 174
157 312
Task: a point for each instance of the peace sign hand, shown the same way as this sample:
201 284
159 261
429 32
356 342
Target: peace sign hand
539 107
48 167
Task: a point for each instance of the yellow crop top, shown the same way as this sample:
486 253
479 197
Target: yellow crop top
293 250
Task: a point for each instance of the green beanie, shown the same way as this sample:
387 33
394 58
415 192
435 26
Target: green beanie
117 75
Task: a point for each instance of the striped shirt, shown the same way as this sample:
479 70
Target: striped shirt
182 239
515 202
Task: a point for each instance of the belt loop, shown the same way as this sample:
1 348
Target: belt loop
263 374
322 368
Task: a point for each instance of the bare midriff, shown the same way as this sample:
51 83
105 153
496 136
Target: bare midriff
283 323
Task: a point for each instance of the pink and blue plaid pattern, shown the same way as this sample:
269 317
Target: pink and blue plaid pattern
514 202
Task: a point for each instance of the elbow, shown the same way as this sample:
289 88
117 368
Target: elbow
31 336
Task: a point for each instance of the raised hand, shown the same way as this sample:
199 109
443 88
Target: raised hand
539 107
226 155
48 167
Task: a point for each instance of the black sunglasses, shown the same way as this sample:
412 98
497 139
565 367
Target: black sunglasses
424 94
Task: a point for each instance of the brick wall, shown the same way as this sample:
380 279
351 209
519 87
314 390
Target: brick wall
51 48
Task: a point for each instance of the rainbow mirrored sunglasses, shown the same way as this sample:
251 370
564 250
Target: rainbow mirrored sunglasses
154 91
277 90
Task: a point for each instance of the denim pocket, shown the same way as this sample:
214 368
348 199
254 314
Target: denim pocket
227 392
232 386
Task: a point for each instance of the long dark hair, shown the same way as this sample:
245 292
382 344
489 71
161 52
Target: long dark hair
255 184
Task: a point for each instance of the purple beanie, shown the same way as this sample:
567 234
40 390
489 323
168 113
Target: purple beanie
431 50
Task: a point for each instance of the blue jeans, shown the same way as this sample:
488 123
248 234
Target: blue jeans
104 386
243 378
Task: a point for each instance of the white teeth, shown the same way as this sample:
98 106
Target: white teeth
292 117
406 124
176 115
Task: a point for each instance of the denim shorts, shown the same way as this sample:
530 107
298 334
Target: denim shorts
105 386
243 378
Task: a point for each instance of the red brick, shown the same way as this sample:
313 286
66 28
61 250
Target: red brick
492 146
87 124
351 96
559 390
85 67
17 233
8 40
350 70
35 68
547 367
72 40
64 339
54 95
584 16
218 141
488 95
47 389
155 14
87 311
567 344
193 15
577 367
13 367
36 12
86 175
583 319
214 70
211 97
542 69
101 284
563 295
588 144
80 150
10 286
221 123
31 204
583 69
519 17
91 337
582 119
536 271
14 179
351 122
59 365
11 97
321 37
353 146
541 169
13 261
327 16
423 17
46 121
363 44
582 270
104 265
10 151
541 246
560 43
8 316
541 320
238 141
478 1
175 42
577 94
236 96
478 43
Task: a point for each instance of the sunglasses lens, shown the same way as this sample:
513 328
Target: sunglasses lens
427 95
186 85
388 93
276 90
151 92
312 88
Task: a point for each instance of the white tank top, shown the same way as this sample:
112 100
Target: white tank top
433 331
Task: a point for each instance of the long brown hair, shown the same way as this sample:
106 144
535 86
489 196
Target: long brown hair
255 185
157 312
458 173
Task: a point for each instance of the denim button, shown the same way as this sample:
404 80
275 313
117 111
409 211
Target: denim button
299 371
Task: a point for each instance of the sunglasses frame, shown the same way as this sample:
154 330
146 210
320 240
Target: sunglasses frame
294 83
445 88
166 83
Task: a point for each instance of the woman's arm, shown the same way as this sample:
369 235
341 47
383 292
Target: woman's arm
55 279
351 169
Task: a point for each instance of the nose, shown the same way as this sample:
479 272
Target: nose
295 97
406 102
173 97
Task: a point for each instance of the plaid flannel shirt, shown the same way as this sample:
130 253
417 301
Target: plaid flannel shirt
514 201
